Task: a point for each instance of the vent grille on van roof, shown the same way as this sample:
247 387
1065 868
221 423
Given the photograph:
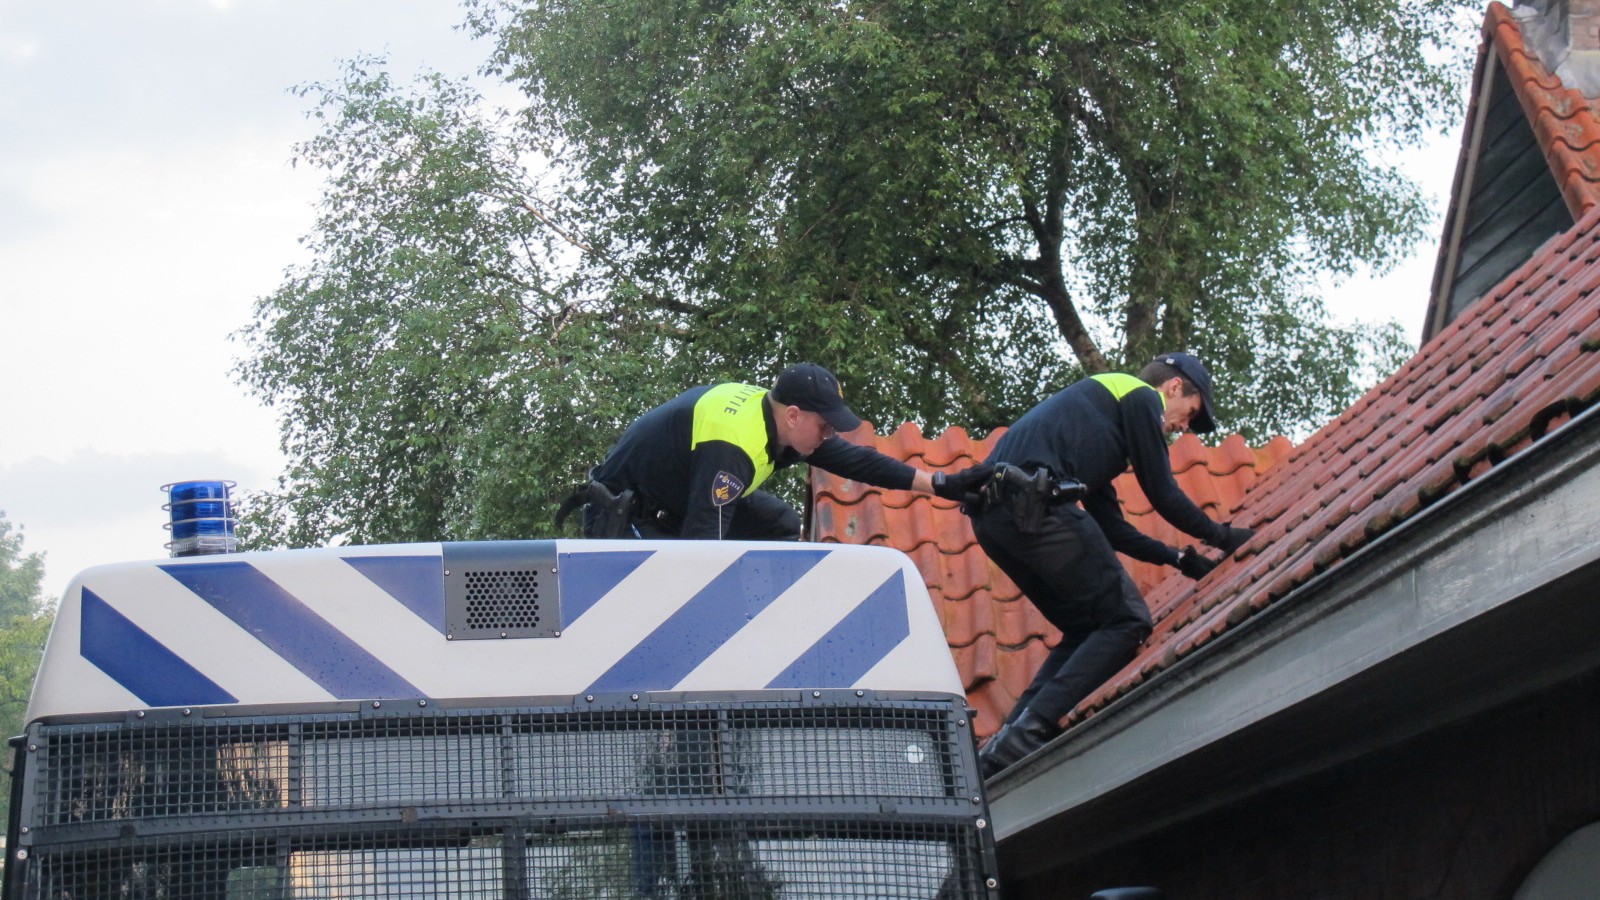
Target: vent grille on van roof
501 589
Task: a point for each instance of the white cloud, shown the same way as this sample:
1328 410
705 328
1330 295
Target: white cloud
14 49
160 72
94 506
153 261
93 485
146 201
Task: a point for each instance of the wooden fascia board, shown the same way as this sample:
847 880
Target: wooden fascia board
1444 271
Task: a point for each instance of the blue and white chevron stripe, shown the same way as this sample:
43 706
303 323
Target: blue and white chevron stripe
350 623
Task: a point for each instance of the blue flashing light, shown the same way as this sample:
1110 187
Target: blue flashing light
201 518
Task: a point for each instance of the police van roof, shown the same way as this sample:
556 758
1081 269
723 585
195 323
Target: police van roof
490 619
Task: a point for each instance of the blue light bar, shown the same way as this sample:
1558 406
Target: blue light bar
201 518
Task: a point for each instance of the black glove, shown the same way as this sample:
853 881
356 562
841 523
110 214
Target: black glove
1192 564
960 486
1232 538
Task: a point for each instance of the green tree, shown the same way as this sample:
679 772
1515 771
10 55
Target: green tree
957 206
451 358
25 619
970 177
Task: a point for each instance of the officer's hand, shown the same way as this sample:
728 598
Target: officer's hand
1192 564
959 486
1233 538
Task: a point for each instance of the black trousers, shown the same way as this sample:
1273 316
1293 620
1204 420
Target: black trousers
1069 571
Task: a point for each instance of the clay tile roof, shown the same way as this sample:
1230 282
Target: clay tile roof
997 639
1517 363
1565 122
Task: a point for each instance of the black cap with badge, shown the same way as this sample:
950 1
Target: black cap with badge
1196 373
814 389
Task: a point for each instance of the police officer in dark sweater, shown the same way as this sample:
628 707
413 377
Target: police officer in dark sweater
1065 559
694 463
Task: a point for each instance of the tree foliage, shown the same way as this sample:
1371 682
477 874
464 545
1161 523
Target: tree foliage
443 364
958 206
25 620
1131 176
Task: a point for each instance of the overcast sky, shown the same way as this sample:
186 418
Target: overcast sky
146 201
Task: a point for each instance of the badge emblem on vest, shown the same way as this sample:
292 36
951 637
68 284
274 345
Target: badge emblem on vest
725 489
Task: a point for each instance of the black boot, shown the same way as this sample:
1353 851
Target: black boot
987 766
1014 741
985 753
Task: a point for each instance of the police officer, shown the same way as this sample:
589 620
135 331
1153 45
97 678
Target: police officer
691 467
1063 556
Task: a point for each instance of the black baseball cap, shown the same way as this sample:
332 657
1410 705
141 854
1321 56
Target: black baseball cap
814 389
1195 371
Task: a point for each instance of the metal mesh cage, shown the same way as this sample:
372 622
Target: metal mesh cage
848 797
666 857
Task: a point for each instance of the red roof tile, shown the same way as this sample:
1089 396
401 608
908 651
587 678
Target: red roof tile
1478 393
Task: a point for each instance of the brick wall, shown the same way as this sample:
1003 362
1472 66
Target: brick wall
1460 814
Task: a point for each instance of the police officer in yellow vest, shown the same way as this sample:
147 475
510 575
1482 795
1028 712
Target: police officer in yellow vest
1063 556
693 465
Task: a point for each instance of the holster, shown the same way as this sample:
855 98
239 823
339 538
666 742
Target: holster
1032 494
1028 508
607 514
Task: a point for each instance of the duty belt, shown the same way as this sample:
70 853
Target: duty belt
1030 495
616 514
1012 480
